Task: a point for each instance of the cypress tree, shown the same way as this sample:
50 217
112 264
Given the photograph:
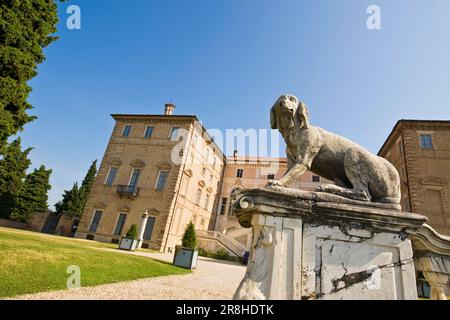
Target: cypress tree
87 183
132 232
71 202
189 237
13 166
33 196
25 29
74 200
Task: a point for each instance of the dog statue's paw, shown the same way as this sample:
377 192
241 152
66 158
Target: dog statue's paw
274 184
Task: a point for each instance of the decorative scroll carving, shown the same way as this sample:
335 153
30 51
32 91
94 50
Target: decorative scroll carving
256 283
100 205
114 161
433 181
137 163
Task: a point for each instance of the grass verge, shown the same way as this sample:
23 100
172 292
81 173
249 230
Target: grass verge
34 262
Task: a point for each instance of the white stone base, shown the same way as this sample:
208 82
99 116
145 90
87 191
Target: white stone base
333 254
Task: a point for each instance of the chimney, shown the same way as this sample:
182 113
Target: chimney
168 109
235 153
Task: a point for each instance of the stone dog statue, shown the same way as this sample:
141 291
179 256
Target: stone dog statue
357 173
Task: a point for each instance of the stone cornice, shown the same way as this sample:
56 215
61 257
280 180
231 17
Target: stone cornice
430 125
277 203
427 239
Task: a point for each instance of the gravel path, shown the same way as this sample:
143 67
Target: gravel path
213 279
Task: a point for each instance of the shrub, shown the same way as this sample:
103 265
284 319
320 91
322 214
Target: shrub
189 237
222 254
133 232
202 252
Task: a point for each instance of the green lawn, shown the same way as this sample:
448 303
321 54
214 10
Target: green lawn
34 262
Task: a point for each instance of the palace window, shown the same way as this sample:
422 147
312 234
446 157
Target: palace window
148 132
149 228
400 147
134 178
230 209
186 185
120 224
198 196
126 131
271 176
195 141
162 178
95 221
111 176
223 206
239 173
206 201
315 178
426 141
174 132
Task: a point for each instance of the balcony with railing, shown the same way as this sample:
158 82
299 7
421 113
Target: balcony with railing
127 191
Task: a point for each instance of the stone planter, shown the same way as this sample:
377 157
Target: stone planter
128 244
185 257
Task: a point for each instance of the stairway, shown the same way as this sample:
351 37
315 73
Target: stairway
229 243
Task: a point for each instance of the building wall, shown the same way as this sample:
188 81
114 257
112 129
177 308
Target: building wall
424 172
255 175
201 174
173 207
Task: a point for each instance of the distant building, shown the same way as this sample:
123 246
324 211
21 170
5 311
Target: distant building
168 166
251 172
420 150
138 173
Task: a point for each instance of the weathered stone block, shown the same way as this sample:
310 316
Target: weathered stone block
307 250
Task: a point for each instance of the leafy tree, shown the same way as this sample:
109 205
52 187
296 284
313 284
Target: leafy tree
33 196
71 202
189 237
132 232
87 183
13 167
25 29
74 200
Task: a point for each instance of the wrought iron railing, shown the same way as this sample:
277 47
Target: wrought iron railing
128 191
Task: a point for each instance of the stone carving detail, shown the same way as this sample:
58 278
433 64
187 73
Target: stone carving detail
137 163
125 208
256 282
115 161
188 172
100 205
358 174
322 250
164 165
433 181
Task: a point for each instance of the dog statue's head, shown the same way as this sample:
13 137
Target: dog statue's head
288 112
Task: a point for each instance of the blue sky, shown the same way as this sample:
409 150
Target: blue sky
227 61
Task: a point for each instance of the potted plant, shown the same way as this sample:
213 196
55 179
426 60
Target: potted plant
186 255
130 241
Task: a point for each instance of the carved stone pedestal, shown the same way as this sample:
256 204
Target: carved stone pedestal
432 259
307 250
